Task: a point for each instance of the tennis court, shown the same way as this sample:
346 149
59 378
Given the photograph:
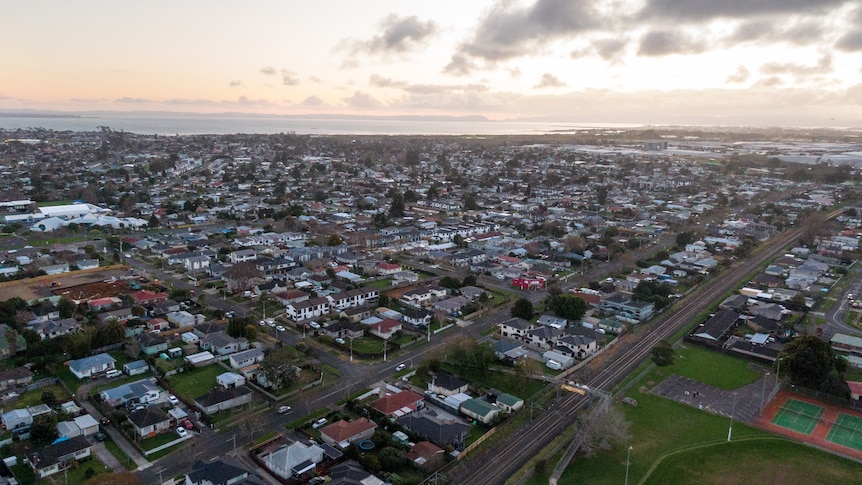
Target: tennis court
847 431
798 416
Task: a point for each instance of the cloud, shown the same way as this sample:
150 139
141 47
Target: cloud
507 32
349 64
289 78
363 101
312 101
739 76
850 42
804 32
769 82
549 81
823 66
131 100
445 88
609 49
398 35
235 84
705 10
268 71
315 80
460 65
385 82
662 43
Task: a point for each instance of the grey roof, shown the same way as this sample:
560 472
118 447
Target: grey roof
148 416
91 362
218 472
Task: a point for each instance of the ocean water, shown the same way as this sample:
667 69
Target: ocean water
186 124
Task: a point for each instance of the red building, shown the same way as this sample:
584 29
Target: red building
525 283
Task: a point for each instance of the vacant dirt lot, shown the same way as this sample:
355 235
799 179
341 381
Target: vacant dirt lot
45 286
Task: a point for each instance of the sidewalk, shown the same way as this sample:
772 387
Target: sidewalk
115 435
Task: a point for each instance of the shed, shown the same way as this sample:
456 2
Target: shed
136 367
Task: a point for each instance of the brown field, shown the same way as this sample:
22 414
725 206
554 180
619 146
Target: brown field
50 285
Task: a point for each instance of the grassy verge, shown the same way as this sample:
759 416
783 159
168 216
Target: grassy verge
719 370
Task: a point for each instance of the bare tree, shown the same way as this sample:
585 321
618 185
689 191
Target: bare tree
241 275
603 430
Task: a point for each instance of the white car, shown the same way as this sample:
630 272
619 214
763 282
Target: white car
339 341
400 367
182 433
284 409
173 400
314 325
280 328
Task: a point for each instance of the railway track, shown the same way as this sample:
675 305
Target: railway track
506 458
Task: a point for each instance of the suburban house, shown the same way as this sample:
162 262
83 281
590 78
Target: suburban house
445 384
425 453
480 410
221 343
151 343
515 328
220 399
136 367
147 297
419 317
424 296
54 328
399 404
7 350
59 456
92 366
144 391
246 358
341 433
345 329
385 328
150 421
293 460
12 378
308 309
353 298
17 418
220 472
242 255
630 311
440 430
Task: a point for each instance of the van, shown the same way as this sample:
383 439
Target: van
553 364
113 373
319 423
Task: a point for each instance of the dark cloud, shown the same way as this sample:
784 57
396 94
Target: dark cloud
507 32
850 42
289 78
805 32
459 65
235 84
662 43
385 82
608 49
549 81
312 101
704 10
739 76
363 101
398 35
268 71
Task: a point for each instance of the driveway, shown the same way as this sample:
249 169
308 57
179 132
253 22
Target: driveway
116 436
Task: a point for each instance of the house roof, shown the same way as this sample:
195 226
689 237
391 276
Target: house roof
448 381
220 394
54 453
423 451
344 430
91 362
218 472
431 427
395 403
148 416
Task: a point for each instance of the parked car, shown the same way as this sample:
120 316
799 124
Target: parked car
284 409
187 424
314 325
340 341
99 436
182 432
173 400
280 328
400 367
319 423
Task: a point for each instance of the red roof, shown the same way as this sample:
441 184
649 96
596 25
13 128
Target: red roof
388 266
147 296
855 387
344 430
386 325
394 402
425 450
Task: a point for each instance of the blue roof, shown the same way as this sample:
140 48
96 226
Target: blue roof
91 362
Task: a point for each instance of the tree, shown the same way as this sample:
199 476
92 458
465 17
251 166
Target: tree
469 280
278 369
810 362
12 340
653 291
396 207
391 459
684 238
49 398
567 306
153 222
662 353
602 431
66 307
810 225
241 275
522 308
450 282
44 428
334 240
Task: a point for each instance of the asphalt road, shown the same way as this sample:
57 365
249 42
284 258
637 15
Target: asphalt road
837 313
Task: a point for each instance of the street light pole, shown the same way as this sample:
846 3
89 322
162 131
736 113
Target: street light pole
763 392
628 462
732 412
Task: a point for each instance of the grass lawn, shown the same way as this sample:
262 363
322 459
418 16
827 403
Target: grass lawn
34 397
675 443
509 383
380 284
196 383
158 440
119 455
78 474
714 368
367 345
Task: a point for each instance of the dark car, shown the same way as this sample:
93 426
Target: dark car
99 436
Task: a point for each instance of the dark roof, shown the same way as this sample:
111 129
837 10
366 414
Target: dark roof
148 416
519 323
221 394
719 324
150 339
52 454
448 381
218 472
430 427
348 473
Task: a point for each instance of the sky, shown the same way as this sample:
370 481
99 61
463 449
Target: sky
724 62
